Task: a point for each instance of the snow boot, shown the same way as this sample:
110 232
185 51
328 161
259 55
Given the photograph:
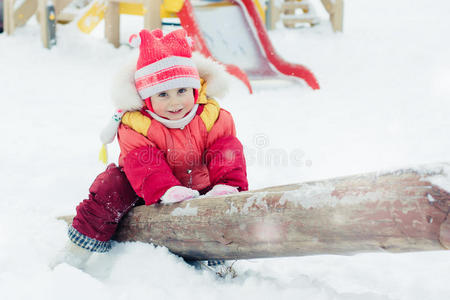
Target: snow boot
220 268
73 255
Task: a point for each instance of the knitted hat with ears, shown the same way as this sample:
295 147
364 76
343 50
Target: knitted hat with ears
165 62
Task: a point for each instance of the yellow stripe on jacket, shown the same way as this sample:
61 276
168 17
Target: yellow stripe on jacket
137 121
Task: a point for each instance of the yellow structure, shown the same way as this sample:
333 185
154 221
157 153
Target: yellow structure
169 9
92 17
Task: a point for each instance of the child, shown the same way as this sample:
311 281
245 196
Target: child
176 142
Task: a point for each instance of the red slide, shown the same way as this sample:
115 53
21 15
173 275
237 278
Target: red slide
233 33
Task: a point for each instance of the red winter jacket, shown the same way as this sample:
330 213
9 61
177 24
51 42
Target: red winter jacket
204 153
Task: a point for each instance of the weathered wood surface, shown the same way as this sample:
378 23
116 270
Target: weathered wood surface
396 212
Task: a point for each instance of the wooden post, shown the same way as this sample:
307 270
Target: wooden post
152 18
273 15
25 12
112 23
8 17
42 11
152 14
337 18
336 12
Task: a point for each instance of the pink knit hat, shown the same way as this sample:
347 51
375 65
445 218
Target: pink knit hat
165 62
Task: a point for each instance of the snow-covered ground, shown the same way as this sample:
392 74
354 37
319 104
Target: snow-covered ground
384 103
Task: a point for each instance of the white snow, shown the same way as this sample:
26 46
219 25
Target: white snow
384 104
430 198
440 176
185 211
255 200
232 210
320 194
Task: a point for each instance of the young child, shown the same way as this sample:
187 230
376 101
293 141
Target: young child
176 142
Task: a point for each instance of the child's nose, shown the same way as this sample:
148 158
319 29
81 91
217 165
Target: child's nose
174 101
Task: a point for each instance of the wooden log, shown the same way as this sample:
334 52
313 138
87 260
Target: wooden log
396 212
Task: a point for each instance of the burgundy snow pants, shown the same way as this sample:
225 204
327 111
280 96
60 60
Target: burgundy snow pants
110 198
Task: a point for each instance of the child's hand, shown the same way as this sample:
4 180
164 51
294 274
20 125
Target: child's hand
178 193
222 189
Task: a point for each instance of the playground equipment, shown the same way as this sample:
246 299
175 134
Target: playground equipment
247 53
168 9
249 47
17 13
294 12
207 23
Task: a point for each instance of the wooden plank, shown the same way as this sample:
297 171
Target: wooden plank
337 17
65 18
152 15
328 5
293 5
8 17
60 5
25 12
395 212
273 15
292 21
336 11
42 11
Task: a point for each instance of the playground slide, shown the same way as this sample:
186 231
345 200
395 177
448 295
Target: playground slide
243 41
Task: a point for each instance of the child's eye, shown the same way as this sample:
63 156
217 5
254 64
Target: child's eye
182 91
163 94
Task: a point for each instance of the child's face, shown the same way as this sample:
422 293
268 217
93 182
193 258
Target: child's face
173 104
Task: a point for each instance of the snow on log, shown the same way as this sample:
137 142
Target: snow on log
399 211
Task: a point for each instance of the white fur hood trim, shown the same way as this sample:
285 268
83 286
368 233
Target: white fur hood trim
125 96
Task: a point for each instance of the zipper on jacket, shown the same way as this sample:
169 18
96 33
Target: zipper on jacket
191 147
